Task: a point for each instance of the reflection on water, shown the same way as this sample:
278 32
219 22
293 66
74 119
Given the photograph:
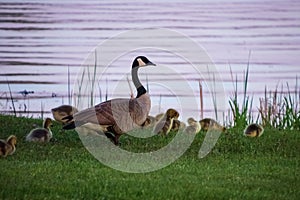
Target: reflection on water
39 41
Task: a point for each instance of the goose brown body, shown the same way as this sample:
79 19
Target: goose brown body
123 114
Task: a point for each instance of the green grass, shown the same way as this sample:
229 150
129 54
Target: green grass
237 168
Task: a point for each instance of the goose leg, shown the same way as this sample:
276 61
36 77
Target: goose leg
117 133
117 139
110 136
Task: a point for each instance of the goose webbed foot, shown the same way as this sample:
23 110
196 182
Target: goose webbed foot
115 130
117 136
114 138
110 136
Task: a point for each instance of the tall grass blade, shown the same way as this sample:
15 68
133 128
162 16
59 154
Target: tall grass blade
201 99
106 92
100 92
69 86
214 96
131 91
241 115
147 82
11 98
42 110
159 104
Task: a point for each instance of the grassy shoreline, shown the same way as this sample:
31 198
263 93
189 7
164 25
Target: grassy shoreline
237 168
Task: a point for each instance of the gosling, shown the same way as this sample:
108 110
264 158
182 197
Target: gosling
193 126
165 123
207 123
8 146
253 130
41 134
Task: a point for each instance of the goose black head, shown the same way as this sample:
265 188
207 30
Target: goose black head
141 61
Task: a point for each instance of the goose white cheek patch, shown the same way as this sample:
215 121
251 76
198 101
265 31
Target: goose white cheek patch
141 63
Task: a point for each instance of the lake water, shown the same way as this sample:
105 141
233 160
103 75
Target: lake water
41 41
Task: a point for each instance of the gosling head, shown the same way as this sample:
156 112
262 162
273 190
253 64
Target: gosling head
47 123
12 140
172 113
141 61
191 121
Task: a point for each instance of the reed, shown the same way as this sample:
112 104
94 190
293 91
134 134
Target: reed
147 83
94 80
42 110
106 91
69 86
159 104
213 92
91 81
291 116
80 85
131 91
11 98
100 92
242 115
268 111
281 109
201 99
214 97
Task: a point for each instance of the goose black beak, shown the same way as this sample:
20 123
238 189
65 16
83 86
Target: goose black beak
151 63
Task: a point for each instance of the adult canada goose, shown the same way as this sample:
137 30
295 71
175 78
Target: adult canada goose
193 126
120 115
63 111
253 130
164 125
8 146
207 123
41 134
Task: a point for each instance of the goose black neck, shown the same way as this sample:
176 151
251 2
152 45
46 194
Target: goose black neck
136 81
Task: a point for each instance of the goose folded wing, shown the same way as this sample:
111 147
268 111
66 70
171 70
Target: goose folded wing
107 112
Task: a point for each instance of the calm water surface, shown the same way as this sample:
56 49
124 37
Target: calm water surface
39 41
